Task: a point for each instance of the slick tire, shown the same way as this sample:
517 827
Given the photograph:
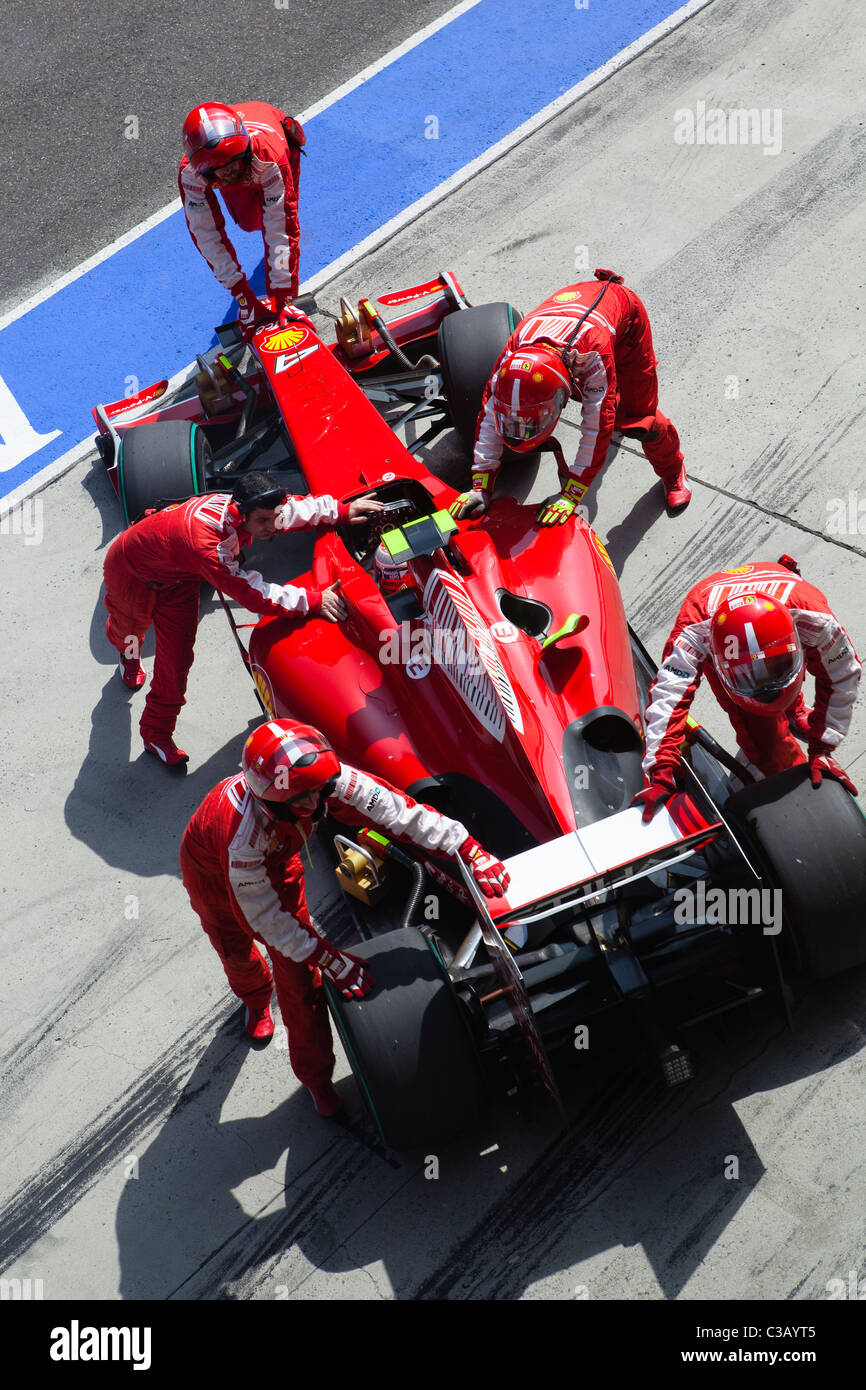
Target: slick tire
469 343
409 1043
811 841
160 463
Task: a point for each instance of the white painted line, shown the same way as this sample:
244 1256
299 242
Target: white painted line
416 209
389 58
174 206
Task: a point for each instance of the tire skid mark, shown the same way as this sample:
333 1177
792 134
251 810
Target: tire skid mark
244 1262
41 1201
23 1057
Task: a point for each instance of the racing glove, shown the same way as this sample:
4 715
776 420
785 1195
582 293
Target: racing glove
475 502
659 790
489 873
251 310
284 308
820 762
349 974
556 511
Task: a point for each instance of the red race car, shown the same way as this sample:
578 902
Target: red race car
488 668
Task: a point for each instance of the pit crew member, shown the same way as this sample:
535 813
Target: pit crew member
153 572
251 155
589 343
240 857
754 631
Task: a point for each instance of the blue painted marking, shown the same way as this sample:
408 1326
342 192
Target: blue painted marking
147 311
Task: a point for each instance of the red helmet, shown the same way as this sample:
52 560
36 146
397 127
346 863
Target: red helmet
530 390
213 135
757 653
283 760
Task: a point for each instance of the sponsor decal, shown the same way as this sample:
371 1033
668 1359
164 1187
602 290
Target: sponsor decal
566 297
524 365
418 668
675 671
263 686
286 339
481 683
600 547
504 632
743 569
377 792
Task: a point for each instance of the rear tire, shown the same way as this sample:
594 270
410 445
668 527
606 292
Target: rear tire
409 1043
160 463
469 343
812 842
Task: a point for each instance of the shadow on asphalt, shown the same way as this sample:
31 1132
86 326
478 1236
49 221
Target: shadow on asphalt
638 1166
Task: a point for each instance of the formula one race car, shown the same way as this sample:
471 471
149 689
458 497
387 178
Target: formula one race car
232 415
488 669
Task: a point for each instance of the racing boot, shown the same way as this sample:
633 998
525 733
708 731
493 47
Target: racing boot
167 750
259 1025
678 494
131 672
325 1099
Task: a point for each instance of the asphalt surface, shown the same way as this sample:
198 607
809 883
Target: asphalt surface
146 1151
72 75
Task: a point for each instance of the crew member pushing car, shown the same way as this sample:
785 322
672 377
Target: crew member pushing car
251 155
754 631
153 572
240 857
589 343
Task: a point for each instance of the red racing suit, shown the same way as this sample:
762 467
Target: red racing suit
243 873
266 201
765 740
613 373
154 570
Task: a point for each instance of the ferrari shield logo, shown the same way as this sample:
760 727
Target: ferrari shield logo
286 339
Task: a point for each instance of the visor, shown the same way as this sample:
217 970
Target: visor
519 428
765 676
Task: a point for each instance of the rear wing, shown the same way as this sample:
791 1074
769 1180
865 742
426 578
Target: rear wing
578 867
557 877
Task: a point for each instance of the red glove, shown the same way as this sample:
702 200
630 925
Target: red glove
820 762
660 789
350 974
490 874
252 311
284 308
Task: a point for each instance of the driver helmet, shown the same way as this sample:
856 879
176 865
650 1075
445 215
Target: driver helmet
284 760
213 135
390 576
757 653
530 390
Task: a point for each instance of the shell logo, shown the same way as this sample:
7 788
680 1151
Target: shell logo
537 376
743 569
566 297
600 547
286 338
263 686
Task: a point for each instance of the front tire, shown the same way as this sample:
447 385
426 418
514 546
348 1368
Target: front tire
409 1043
160 463
469 343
